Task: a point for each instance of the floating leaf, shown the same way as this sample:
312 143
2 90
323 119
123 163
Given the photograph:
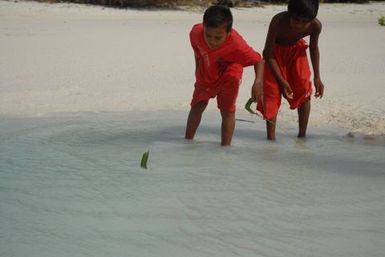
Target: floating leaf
143 162
381 21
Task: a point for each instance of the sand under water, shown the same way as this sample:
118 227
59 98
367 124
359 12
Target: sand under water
74 186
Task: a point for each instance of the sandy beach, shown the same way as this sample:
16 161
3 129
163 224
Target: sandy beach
86 90
66 58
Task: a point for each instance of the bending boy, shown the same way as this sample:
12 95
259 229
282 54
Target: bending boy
287 69
220 55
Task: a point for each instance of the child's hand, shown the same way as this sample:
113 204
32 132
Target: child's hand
286 90
319 88
257 90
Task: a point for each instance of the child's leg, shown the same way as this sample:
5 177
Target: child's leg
228 125
226 100
270 128
299 79
271 102
194 119
303 118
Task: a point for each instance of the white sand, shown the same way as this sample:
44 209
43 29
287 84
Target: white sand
73 58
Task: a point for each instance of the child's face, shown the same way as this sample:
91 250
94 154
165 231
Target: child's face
298 23
215 37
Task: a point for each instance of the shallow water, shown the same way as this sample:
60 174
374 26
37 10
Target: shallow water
73 186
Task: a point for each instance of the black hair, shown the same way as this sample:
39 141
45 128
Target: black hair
303 8
217 16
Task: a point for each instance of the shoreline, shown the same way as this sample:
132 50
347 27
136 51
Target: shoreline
245 125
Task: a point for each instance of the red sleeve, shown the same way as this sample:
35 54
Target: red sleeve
194 36
245 54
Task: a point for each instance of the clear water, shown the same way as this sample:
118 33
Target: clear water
73 186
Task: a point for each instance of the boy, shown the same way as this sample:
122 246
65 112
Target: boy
287 69
220 55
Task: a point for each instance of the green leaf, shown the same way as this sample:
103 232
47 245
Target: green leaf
381 21
143 162
248 106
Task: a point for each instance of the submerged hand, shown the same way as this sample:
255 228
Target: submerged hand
319 88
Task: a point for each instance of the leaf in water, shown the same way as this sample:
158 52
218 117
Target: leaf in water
143 162
381 21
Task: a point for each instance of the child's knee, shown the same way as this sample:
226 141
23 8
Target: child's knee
227 108
227 114
199 106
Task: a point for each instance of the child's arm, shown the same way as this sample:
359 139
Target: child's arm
245 55
257 88
268 55
315 57
193 36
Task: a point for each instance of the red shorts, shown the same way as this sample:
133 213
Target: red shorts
225 89
294 67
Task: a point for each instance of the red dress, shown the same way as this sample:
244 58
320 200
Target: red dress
294 67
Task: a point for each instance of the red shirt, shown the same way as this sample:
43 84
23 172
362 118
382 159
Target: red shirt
211 63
